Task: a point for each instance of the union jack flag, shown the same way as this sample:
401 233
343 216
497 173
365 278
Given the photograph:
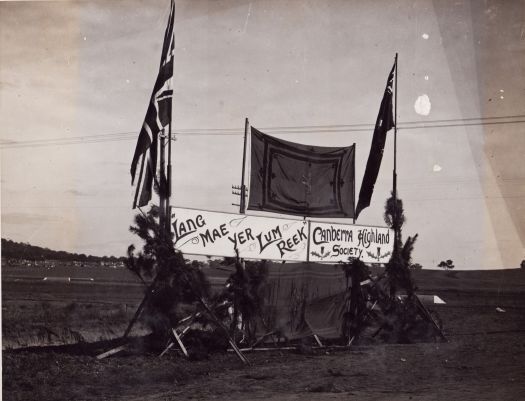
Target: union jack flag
158 116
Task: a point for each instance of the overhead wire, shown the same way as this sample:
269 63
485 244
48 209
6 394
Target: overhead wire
276 130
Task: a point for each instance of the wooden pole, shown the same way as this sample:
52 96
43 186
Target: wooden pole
181 344
394 183
225 330
242 203
136 316
168 174
168 178
429 317
141 307
164 205
112 351
162 192
353 218
308 242
395 133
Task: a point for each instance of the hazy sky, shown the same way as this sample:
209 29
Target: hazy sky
75 80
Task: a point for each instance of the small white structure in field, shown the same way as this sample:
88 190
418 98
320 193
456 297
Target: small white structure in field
428 299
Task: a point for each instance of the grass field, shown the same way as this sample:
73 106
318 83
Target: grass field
49 306
483 359
99 273
61 305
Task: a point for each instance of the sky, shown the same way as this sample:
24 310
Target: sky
75 80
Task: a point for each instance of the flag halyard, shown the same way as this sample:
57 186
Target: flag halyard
158 116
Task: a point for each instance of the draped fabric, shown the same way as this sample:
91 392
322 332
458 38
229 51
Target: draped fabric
303 299
304 180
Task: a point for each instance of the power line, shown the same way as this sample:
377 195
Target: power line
368 125
344 129
305 129
407 198
465 124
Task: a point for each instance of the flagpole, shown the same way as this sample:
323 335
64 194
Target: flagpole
242 203
168 174
394 184
354 205
162 185
168 178
395 134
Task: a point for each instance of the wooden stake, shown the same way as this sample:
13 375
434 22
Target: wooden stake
261 339
136 316
112 351
170 345
265 349
141 307
230 340
269 349
181 345
427 314
318 340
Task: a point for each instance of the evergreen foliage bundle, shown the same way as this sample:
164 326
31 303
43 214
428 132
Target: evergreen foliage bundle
245 288
354 316
173 280
398 267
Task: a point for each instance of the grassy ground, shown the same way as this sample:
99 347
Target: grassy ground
484 358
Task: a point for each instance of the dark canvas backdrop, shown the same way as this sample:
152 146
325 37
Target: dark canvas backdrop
303 299
304 180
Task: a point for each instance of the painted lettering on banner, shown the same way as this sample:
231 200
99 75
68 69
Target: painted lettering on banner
338 242
219 234
213 233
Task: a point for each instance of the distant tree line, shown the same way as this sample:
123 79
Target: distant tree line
18 250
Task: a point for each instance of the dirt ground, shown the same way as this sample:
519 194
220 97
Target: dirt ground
484 359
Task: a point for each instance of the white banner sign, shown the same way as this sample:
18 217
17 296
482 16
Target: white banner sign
334 243
201 232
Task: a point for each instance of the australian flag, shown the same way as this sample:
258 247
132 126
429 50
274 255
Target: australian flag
384 122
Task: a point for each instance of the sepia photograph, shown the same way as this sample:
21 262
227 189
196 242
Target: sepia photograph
266 199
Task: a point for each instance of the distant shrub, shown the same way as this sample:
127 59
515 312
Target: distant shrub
447 265
416 266
522 264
